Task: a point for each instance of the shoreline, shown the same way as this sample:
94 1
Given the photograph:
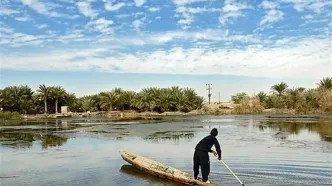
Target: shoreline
129 116
270 113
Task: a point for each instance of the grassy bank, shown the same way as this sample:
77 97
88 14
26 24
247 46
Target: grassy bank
6 115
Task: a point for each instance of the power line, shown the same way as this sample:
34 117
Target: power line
209 89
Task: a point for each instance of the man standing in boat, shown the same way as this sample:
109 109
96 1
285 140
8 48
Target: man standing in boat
201 155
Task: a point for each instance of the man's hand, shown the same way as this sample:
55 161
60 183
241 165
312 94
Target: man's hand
215 153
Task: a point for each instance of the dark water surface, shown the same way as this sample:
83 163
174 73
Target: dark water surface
85 152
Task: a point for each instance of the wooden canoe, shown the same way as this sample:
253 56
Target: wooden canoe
161 170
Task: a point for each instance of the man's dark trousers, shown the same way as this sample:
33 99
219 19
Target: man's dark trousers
201 158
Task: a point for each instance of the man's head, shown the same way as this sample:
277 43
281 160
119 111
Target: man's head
214 132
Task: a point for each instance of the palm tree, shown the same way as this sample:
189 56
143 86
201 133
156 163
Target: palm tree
262 97
311 98
128 98
17 98
176 92
109 99
279 88
300 89
293 97
146 98
2 98
70 99
57 93
45 92
87 103
138 101
25 100
165 99
189 99
325 83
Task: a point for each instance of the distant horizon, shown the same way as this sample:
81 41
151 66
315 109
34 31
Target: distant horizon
88 83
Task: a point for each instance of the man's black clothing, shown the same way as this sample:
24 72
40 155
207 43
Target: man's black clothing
201 159
201 155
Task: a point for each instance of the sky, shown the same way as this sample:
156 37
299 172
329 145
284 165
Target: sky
88 46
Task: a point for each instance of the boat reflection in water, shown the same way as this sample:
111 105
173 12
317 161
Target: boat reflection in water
137 173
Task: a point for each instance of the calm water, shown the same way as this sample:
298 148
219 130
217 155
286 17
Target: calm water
81 152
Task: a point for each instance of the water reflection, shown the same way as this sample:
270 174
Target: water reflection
25 140
286 129
170 136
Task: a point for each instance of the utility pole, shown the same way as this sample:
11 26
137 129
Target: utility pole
209 89
219 96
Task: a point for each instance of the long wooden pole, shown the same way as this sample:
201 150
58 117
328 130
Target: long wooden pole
232 172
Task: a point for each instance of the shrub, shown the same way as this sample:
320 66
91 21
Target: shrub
248 106
326 101
9 115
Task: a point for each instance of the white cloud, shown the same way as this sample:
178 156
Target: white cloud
179 36
86 9
137 24
114 7
41 26
121 16
73 36
298 59
269 5
22 19
272 14
139 2
318 5
5 29
307 17
314 5
13 39
7 11
41 7
196 10
154 9
101 25
186 20
187 14
232 10
187 2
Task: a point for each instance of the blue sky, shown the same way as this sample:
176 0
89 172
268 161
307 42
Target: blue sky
89 46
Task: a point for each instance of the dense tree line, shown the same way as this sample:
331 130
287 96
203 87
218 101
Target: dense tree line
299 98
49 99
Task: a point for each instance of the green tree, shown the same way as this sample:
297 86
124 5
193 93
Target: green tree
128 98
279 88
262 97
17 98
239 96
109 99
45 92
57 93
325 83
311 99
294 98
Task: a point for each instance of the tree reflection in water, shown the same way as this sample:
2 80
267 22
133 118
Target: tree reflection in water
169 136
25 140
324 129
